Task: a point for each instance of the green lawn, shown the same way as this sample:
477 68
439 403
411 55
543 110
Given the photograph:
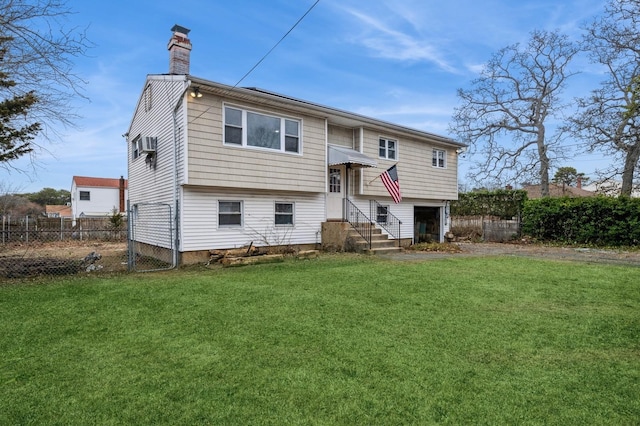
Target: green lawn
340 340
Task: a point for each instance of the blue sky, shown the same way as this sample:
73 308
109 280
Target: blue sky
396 60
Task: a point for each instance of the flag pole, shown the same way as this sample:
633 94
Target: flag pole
373 180
379 175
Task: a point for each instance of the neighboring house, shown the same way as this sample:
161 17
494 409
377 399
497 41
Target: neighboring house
93 196
248 166
555 190
610 188
57 210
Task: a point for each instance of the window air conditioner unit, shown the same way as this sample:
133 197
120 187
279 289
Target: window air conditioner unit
149 145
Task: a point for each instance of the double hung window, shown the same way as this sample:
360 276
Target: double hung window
229 213
439 157
388 148
252 129
136 147
284 214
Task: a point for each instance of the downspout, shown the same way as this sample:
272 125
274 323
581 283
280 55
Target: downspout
175 173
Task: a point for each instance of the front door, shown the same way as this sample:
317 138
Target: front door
336 193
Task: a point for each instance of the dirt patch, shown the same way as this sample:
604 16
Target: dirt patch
581 254
61 258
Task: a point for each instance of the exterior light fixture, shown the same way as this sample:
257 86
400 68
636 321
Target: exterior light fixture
195 93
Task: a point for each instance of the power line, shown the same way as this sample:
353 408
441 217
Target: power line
264 57
276 45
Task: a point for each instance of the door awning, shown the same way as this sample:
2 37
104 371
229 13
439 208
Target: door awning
339 155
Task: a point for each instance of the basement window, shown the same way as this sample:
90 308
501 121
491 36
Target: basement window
284 214
229 213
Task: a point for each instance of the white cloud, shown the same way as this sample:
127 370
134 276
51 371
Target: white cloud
389 43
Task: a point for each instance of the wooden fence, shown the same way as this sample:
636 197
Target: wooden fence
45 229
487 228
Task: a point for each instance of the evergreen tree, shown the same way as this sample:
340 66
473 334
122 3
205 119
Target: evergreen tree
16 133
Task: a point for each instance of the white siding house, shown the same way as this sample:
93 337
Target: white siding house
97 197
242 166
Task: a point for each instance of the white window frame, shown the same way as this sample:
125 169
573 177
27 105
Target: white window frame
81 193
292 214
244 128
241 213
386 148
136 146
335 180
439 158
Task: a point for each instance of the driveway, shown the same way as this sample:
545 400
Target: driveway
580 254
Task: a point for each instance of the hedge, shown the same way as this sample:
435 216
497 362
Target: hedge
601 221
502 202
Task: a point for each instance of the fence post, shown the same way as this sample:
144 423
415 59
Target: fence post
27 229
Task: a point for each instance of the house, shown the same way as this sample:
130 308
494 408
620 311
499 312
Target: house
51 210
94 196
237 166
611 188
555 190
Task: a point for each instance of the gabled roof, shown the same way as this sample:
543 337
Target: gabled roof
97 182
533 191
335 115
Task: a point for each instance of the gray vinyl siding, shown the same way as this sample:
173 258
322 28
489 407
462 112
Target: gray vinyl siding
418 178
200 230
211 163
148 183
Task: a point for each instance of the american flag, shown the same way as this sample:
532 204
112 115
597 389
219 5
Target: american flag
389 179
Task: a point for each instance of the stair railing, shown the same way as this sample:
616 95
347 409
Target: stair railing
386 220
359 221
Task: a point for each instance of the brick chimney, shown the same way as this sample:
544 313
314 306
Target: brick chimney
179 51
579 182
121 194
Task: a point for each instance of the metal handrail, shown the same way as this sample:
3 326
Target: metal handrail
391 224
359 221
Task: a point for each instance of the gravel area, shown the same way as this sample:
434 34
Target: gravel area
579 254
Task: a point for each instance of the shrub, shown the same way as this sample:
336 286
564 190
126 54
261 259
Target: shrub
603 221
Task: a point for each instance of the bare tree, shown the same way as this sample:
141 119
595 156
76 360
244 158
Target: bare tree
609 118
504 116
39 59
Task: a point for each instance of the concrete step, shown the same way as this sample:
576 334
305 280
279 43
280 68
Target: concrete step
383 250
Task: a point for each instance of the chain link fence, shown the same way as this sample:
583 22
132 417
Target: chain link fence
40 246
152 237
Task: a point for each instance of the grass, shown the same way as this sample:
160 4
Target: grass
337 340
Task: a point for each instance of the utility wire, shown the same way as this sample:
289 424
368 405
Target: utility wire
276 45
264 57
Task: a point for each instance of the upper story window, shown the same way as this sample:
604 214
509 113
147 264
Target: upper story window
252 129
136 147
439 158
388 148
85 196
147 98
